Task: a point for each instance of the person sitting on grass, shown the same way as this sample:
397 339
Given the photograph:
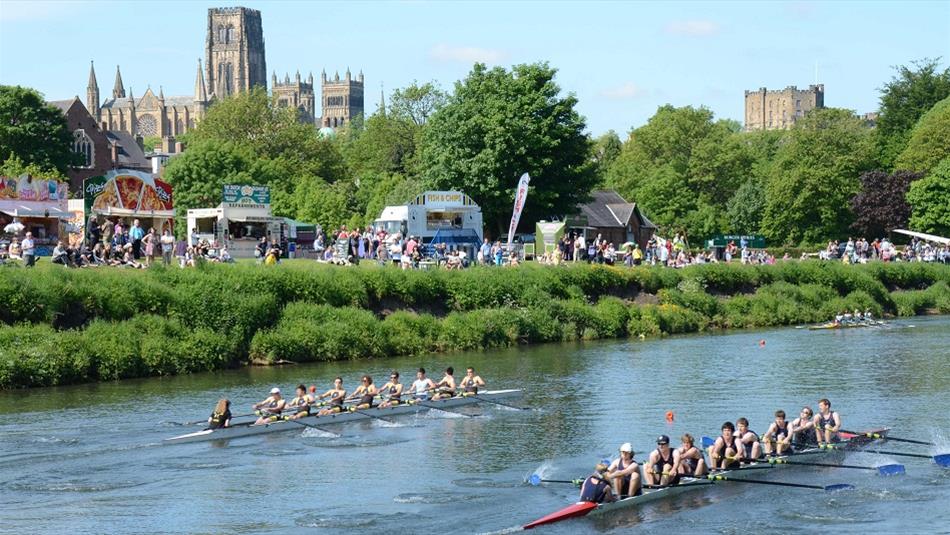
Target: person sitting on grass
60 256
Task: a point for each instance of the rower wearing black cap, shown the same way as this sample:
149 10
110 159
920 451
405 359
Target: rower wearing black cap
661 463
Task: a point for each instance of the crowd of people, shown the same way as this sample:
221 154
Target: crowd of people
736 445
860 251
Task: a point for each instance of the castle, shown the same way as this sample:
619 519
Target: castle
770 110
234 63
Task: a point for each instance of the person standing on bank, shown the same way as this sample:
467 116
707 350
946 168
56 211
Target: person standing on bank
136 233
29 250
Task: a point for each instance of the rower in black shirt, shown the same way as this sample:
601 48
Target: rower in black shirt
595 488
470 383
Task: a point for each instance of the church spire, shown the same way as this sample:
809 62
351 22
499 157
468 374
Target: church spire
201 94
118 90
382 100
92 93
161 93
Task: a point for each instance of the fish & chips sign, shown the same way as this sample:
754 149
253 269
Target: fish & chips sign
245 196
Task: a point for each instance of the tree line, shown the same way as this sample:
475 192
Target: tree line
829 176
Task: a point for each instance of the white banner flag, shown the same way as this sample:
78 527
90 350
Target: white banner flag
520 194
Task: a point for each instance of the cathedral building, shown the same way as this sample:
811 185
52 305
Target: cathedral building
342 99
295 94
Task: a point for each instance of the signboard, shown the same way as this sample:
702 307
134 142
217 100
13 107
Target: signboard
29 196
753 241
246 196
521 193
443 199
129 191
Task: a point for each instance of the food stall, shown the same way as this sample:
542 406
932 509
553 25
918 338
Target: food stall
39 204
239 222
125 195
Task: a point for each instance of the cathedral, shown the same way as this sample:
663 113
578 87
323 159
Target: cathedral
234 63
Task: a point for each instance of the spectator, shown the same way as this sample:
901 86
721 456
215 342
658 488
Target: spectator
149 242
484 253
60 256
93 231
29 250
261 250
168 246
136 233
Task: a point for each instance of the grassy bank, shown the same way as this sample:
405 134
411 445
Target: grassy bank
66 326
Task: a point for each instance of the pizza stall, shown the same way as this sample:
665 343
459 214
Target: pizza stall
125 195
39 205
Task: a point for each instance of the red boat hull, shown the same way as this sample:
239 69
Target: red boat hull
571 511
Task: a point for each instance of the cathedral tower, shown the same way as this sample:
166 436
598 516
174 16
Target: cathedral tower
234 51
342 99
92 93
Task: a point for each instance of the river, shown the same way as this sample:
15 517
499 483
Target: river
89 458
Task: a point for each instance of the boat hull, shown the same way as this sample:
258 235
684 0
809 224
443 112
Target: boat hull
245 429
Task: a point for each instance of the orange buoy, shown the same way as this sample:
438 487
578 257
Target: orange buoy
313 389
670 416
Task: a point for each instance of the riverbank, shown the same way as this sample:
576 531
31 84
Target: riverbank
70 326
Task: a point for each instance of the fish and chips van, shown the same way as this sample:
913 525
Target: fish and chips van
125 195
35 205
239 222
449 217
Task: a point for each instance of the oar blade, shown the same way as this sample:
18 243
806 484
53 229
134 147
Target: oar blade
891 470
534 480
707 442
838 487
943 460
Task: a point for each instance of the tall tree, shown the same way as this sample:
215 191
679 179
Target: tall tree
606 149
33 131
881 206
929 141
499 124
929 199
417 103
909 94
814 176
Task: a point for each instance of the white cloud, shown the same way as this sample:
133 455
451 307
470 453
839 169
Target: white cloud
626 91
693 28
466 54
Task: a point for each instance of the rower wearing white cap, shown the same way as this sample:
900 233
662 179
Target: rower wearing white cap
269 410
624 473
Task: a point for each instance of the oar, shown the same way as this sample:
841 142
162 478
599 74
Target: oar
536 480
827 488
476 396
337 435
942 460
888 437
197 422
364 413
884 470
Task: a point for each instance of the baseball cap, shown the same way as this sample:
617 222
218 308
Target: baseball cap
275 390
626 447
662 439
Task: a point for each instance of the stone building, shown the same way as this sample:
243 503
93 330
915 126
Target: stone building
770 110
342 99
150 115
295 94
234 51
99 150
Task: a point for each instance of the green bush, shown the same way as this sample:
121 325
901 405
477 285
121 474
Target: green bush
913 302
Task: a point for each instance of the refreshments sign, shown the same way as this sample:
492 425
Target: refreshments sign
245 196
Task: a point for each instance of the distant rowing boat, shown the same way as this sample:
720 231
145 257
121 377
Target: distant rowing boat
872 323
578 509
247 429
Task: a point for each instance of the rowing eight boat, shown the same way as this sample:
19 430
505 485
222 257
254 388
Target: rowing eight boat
247 429
845 325
578 509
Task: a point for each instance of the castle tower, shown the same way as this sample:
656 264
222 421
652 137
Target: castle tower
780 109
234 51
342 99
92 93
118 90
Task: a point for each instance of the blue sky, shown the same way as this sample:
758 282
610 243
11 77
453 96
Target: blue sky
621 59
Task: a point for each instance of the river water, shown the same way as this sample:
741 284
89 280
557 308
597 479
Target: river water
89 459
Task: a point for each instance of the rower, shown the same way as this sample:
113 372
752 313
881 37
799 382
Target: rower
624 473
722 453
688 459
839 318
802 430
300 403
470 382
445 388
269 410
846 317
421 386
661 464
336 395
858 317
747 442
868 316
827 423
221 416
777 436
595 488
393 389
364 393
